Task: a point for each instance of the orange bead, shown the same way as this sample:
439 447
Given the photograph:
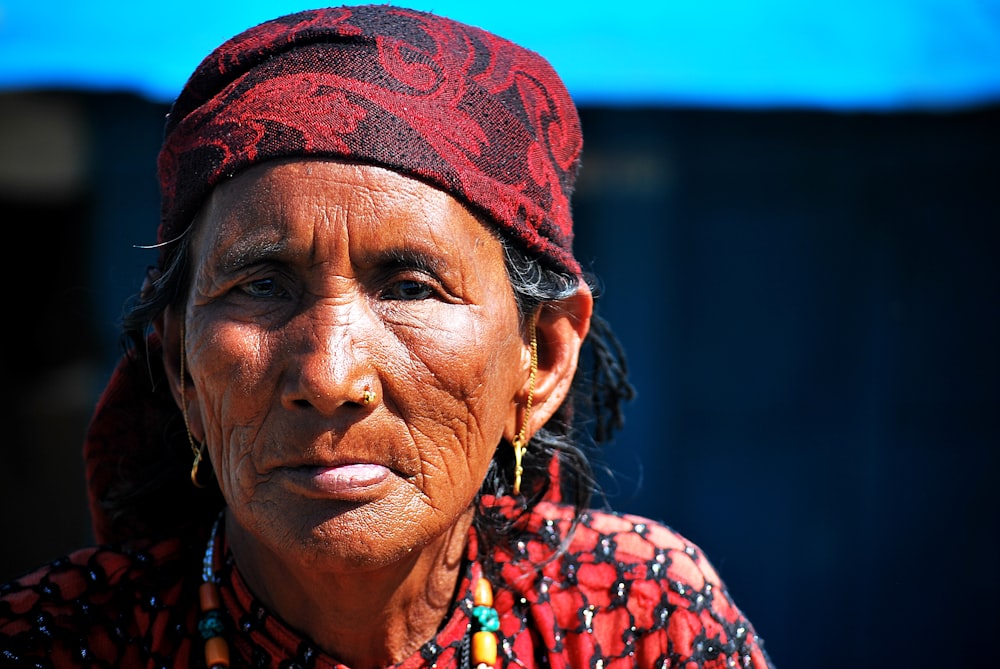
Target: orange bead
208 595
483 595
216 652
484 648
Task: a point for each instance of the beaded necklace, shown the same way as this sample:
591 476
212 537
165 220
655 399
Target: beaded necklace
212 624
484 624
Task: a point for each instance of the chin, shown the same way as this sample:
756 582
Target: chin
333 536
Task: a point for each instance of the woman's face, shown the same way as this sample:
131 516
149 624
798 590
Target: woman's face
314 282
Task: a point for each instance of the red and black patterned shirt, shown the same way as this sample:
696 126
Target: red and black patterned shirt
622 592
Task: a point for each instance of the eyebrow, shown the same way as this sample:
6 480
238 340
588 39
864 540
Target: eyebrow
250 250
253 249
405 257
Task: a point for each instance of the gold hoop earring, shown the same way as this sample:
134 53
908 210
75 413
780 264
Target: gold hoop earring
520 443
197 449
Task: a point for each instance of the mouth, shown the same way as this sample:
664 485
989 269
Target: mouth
353 482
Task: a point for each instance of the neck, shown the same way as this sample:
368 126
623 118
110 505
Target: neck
364 617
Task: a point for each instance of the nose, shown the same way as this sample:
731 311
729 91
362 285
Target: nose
331 365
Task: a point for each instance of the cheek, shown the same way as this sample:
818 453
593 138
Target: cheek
457 393
234 396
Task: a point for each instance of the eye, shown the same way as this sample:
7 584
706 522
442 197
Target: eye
262 288
407 289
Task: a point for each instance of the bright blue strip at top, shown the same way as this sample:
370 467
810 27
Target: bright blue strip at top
848 54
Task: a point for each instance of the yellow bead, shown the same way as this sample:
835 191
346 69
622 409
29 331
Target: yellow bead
216 652
484 648
483 595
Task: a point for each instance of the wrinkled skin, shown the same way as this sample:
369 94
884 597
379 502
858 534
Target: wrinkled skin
314 281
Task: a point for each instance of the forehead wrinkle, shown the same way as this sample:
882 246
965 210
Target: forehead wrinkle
240 234
331 217
464 258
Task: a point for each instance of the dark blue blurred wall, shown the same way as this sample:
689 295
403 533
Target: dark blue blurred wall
809 302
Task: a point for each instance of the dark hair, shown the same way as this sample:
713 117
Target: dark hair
569 439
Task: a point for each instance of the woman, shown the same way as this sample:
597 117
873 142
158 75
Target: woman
343 432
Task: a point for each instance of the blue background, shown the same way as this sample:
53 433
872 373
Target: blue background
848 54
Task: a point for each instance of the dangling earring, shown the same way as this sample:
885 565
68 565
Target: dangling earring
520 444
197 449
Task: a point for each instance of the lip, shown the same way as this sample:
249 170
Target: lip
353 481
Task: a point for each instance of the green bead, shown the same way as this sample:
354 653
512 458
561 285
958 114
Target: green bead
489 619
211 624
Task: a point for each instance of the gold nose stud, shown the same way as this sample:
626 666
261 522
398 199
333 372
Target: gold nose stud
368 396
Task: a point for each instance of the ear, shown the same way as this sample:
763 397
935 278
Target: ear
169 327
560 328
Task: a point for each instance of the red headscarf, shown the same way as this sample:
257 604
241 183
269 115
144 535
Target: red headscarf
462 109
